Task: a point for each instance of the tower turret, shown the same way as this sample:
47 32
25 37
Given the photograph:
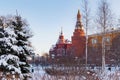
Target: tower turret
78 15
78 22
78 38
61 39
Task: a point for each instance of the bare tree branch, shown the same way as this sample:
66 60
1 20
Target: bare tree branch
104 18
86 20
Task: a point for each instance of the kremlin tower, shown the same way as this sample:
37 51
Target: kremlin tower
66 48
61 39
61 48
78 38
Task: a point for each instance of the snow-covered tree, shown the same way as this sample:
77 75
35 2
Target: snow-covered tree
9 61
25 49
15 46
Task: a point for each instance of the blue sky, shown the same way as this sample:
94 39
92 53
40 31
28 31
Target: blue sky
46 17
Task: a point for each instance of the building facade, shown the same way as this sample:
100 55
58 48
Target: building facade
76 47
112 47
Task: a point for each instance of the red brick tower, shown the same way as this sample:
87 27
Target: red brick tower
78 38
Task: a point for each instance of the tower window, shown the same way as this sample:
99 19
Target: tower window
106 39
94 41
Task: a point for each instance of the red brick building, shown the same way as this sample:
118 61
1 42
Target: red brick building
61 48
74 48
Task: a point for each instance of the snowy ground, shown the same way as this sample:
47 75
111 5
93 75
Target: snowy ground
113 74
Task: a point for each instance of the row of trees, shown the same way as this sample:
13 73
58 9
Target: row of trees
103 20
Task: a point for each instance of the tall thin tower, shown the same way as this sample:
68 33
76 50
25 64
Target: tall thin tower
78 38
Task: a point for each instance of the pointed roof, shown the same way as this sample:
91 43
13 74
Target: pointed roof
61 39
78 15
61 31
79 23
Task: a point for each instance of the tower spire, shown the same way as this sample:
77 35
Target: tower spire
61 31
78 15
61 39
79 23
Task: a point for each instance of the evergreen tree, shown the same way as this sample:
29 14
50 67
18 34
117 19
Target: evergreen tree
23 34
9 61
15 46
